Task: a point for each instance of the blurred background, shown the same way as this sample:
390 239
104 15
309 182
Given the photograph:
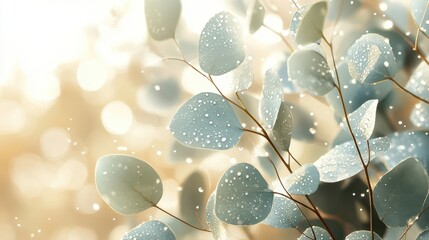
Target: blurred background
81 79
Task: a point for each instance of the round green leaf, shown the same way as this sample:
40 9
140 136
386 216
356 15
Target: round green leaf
407 144
362 235
192 197
362 121
321 234
401 192
206 121
159 95
256 17
342 161
371 59
127 184
242 76
309 70
310 28
271 98
423 235
215 225
150 230
221 46
162 18
282 129
421 14
242 196
419 81
303 181
284 214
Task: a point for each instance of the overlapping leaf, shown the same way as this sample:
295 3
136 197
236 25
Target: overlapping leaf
309 27
271 98
309 70
400 194
303 181
242 196
321 234
242 76
282 129
162 18
150 230
129 185
256 16
419 81
371 59
362 121
421 14
284 214
343 161
362 235
215 225
206 121
221 45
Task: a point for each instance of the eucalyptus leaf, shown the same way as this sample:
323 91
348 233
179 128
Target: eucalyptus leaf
342 161
321 234
282 129
215 225
309 70
206 121
149 231
192 197
362 121
284 214
221 45
400 194
407 144
420 115
421 14
256 16
242 76
419 81
303 181
362 235
371 59
271 98
162 18
243 196
310 27
127 184
423 235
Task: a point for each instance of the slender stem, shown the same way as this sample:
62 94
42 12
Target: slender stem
181 220
410 225
299 202
407 91
178 47
371 196
291 49
253 131
316 211
338 87
419 26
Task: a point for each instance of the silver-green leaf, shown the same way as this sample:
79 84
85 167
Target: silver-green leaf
362 120
215 225
419 81
343 161
256 16
242 76
309 70
400 194
243 196
284 214
221 45
421 14
321 234
303 181
362 235
423 235
127 184
371 59
150 230
310 27
162 18
206 121
282 129
271 98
